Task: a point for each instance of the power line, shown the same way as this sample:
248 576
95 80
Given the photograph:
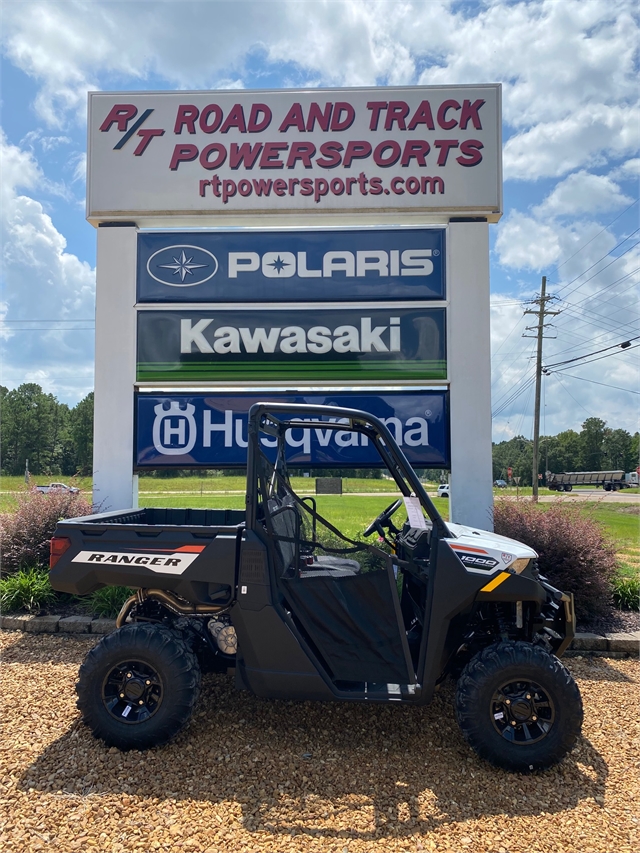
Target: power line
602 322
571 395
595 263
596 352
607 356
593 295
514 396
593 382
525 409
598 272
517 381
596 236
508 336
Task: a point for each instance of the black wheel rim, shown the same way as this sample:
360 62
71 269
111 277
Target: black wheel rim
522 712
132 692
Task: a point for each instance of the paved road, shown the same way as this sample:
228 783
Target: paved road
594 495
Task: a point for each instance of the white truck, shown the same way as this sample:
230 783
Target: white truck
57 487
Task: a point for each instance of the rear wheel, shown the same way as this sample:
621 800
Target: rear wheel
518 706
138 686
568 487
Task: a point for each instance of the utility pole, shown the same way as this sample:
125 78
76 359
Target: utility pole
541 313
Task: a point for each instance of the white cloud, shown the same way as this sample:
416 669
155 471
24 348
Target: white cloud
569 103
586 136
526 243
583 193
629 169
47 143
42 282
79 163
567 68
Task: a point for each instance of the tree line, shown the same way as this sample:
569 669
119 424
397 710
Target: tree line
58 440
596 447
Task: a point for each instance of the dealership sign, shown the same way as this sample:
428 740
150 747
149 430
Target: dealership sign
428 148
291 265
316 344
210 430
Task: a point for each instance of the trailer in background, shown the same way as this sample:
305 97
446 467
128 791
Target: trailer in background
611 481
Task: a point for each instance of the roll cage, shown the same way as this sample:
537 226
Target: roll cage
275 419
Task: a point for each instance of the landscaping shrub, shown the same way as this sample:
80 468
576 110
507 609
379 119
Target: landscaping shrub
25 533
27 589
575 554
108 601
626 592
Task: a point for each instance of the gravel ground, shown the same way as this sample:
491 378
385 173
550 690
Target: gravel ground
251 775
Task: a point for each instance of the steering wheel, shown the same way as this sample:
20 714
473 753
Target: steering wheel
384 517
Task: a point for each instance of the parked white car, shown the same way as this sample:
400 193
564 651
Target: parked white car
57 487
443 490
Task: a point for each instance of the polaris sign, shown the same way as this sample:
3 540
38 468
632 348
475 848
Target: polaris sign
292 266
210 430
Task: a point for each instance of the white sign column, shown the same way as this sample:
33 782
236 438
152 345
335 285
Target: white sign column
114 484
469 358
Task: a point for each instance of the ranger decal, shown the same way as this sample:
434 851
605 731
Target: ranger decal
174 562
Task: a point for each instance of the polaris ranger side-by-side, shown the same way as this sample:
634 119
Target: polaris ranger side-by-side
302 611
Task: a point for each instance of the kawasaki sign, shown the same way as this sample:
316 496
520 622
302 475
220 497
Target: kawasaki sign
292 266
319 344
210 430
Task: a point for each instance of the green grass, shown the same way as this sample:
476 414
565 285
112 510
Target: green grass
210 485
349 513
622 522
12 487
17 484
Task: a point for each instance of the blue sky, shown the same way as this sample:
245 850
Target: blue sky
571 130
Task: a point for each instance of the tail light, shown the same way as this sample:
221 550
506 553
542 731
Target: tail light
59 544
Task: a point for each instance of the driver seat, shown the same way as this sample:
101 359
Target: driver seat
330 565
285 519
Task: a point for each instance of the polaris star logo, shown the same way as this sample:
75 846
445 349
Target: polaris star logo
182 266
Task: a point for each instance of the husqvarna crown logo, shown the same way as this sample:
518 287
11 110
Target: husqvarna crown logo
182 266
174 429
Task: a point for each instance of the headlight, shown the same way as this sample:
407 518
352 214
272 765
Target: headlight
520 565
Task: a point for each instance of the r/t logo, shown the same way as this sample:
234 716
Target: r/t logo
122 114
174 429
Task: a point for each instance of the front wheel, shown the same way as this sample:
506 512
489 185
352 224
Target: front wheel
518 706
138 686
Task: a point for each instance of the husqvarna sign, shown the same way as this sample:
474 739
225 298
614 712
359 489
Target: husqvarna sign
210 430
292 266
430 148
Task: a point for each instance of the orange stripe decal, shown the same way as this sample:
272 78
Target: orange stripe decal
190 549
468 548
